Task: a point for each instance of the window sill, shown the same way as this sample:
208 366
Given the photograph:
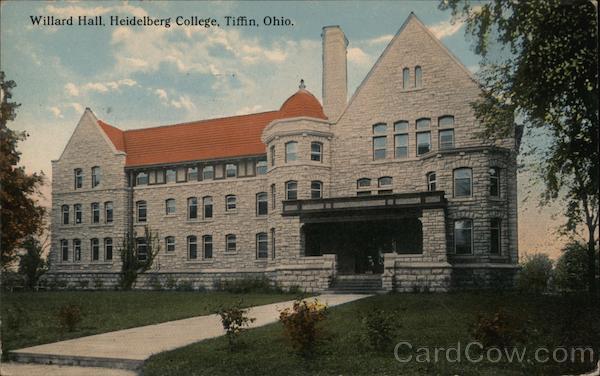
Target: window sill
496 198
262 216
93 225
169 253
101 262
170 216
195 221
232 211
199 262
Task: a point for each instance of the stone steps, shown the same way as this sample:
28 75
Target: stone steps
73 360
358 284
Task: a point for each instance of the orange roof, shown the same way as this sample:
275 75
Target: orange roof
229 137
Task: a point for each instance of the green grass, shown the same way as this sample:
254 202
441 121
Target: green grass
105 311
431 320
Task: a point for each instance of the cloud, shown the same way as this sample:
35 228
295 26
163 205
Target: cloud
162 94
446 28
249 109
358 56
77 107
56 112
383 39
72 89
184 102
99 87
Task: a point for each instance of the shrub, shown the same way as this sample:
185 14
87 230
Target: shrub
185 286
245 285
234 319
571 268
300 324
83 284
15 317
12 280
69 316
154 282
535 273
498 330
32 263
98 283
171 283
380 328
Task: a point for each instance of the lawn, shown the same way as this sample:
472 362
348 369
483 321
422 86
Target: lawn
427 320
30 318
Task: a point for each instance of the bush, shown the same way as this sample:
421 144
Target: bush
245 285
234 319
380 327
69 316
300 325
535 273
15 317
570 273
498 330
154 282
185 286
98 283
83 284
12 280
171 283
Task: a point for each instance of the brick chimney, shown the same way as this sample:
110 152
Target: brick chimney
335 74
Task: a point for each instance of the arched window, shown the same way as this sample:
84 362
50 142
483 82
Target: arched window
230 202
405 78
78 178
192 247
170 244
262 245
291 151
192 208
273 196
230 243
463 237
108 249
401 139
463 182
64 249
363 183
316 189
207 204
262 203
141 210
207 247
76 250
95 176
273 243
446 121
379 141
418 77
170 207
95 249
385 181
291 190
431 182
65 214
142 249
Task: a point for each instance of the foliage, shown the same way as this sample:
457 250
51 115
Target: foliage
535 273
380 327
32 264
246 285
234 320
154 282
498 330
133 262
171 283
300 324
571 267
83 284
11 280
21 215
98 283
185 286
545 72
69 316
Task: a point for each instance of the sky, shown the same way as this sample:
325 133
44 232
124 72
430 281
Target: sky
141 76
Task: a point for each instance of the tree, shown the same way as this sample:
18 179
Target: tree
32 263
535 273
137 256
21 215
571 267
545 73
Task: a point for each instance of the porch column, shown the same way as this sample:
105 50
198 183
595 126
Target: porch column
434 234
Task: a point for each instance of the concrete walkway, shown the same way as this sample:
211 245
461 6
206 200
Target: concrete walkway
129 348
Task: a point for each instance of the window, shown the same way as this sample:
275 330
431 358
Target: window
95 176
316 151
363 183
208 173
401 126
379 142
363 193
142 249
141 178
171 175
64 249
446 138
261 167
273 243
291 190
462 182
192 173
495 239
76 250
291 151
385 191
78 178
230 170
192 247
170 207
272 152
495 182
405 78
207 247
170 243
192 204
65 214
95 212
423 123
78 213
423 142
273 196
418 77
262 245
431 182
316 189
463 237
385 181
401 139
108 249
95 248
160 176
230 202
262 203
446 121
230 243
141 210
207 203
108 212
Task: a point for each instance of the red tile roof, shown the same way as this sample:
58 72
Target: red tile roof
229 137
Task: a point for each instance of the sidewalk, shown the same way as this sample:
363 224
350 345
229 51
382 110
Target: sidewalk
127 349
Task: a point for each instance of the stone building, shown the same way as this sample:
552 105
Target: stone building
392 186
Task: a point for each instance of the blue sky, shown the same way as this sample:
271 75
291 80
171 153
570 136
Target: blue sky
136 77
